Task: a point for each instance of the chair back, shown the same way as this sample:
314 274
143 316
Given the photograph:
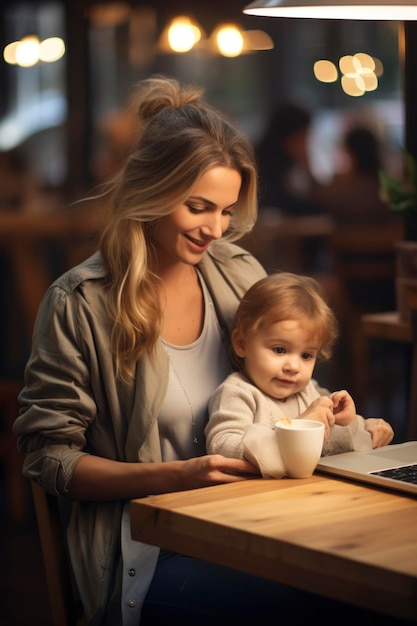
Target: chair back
55 558
365 252
364 262
363 280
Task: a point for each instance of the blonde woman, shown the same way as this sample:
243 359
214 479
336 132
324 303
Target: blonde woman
127 349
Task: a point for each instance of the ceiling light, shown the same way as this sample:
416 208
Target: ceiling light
181 35
336 9
229 40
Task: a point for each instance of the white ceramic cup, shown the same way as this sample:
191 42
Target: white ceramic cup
300 444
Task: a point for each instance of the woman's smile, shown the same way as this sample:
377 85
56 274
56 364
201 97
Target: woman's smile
198 242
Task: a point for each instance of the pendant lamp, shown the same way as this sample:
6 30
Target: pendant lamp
401 10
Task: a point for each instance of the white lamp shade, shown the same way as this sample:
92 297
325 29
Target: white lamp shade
401 10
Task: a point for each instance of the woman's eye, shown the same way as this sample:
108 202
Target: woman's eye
194 209
227 212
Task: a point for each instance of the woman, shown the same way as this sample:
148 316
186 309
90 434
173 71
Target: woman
127 349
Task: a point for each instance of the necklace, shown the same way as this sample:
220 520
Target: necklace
208 306
193 426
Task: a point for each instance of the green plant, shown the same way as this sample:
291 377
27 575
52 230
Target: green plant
401 195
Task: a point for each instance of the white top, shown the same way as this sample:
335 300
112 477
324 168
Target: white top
195 372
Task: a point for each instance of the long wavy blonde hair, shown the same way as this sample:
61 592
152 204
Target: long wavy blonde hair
179 138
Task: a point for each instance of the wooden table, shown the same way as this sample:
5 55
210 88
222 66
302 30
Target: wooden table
389 326
340 539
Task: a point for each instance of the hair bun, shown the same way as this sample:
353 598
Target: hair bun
159 92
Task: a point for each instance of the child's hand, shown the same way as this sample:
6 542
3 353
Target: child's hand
321 410
344 408
380 431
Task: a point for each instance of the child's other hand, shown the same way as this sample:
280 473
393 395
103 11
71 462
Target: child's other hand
344 408
381 431
321 410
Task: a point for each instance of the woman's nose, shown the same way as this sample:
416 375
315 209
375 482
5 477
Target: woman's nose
214 226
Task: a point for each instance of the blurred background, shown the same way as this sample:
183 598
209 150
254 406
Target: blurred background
323 103
58 106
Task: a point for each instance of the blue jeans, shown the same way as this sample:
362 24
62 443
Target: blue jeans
190 592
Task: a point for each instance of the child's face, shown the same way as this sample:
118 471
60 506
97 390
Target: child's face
278 358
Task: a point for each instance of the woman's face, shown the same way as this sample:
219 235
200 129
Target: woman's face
185 234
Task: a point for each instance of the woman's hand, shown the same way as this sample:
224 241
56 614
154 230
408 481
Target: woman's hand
381 432
344 408
215 469
321 410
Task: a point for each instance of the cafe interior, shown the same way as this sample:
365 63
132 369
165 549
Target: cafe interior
335 91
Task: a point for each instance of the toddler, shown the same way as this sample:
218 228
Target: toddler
282 327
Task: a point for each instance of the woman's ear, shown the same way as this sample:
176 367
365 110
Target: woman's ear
238 343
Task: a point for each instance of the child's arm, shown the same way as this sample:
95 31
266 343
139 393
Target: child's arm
231 412
344 408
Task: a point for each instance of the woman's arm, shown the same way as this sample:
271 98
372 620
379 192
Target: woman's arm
96 478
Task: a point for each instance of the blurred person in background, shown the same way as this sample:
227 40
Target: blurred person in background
353 195
286 181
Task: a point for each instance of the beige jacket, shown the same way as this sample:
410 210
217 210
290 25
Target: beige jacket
73 405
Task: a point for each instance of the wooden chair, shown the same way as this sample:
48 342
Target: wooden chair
16 486
55 558
363 276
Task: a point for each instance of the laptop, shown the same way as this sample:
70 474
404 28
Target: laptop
392 467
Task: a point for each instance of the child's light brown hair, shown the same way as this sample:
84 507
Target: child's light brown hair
285 296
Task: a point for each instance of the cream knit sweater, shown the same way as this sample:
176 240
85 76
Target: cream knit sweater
241 424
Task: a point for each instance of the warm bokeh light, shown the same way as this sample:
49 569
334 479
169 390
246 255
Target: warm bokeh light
9 53
379 67
257 40
353 86
359 73
371 81
27 51
183 34
365 60
348 64
358 70
229 40
325 71
51 49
